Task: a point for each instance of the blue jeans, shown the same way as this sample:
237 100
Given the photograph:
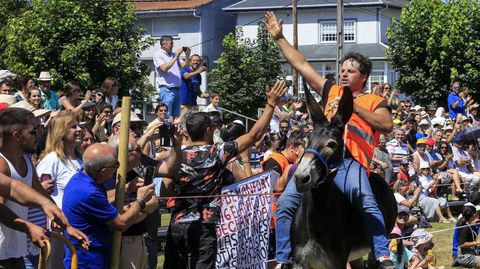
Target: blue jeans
352 180
171 97
31 261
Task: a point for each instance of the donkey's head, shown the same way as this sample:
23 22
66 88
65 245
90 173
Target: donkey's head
324 151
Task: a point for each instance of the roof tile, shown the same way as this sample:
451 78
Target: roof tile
169 4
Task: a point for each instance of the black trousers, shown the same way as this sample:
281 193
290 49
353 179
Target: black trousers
191 245
12 263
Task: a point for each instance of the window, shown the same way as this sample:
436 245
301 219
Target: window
328 31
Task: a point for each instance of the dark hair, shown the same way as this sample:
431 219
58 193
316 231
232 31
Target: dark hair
296 139
232 131
6 83
23 81
330 77
70 87
197 124
101 107
268 140
108 84
159 106
467 213
364 64
164 38
14 116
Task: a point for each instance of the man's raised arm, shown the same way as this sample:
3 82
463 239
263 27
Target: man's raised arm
258 130
293 56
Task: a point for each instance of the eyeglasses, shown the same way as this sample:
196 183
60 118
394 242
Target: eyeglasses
444 147
428 168
116 165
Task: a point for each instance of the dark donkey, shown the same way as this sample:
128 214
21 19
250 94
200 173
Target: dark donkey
327 231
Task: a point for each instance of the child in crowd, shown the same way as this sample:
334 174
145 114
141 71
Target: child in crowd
423 249
399 253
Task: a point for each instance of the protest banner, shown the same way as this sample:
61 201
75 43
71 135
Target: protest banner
243 232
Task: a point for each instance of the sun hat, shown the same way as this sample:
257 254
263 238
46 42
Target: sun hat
7 98
44 76
424 122
418 108
397 121
424 165
38 112
421 236
396 231
448 127
6 73
133 118
430 142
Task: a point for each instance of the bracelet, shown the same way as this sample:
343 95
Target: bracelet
270 105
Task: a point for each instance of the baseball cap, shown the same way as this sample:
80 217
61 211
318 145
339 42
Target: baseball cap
421 141
430 142
403 209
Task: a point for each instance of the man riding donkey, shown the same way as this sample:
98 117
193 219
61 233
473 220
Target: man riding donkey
371 116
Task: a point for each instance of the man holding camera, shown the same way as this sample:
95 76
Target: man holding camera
167 66
191 81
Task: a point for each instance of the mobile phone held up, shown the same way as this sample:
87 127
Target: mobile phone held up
167 131
184 49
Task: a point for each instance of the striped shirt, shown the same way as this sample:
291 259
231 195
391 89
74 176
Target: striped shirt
397 149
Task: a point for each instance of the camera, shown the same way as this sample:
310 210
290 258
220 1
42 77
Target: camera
205 64
184 49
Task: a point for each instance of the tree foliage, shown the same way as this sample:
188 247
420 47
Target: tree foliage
8 9
244 68
434 43
85 41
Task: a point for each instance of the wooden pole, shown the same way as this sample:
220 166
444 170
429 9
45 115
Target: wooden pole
339 36
295 45
121 176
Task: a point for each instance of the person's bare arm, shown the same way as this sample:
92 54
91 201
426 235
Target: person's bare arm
169 167
380 119
190 75
166 66
258 130
293 56
186 63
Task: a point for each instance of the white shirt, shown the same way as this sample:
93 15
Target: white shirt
171 78
13 244
60 172
425 182
399 198
459 154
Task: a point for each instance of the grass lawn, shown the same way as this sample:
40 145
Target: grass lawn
442 240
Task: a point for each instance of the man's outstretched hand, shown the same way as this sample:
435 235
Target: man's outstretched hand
273 25
277 91
55 214
82 239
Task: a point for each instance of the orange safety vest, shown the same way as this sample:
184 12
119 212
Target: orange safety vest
361 138
279 158
283 162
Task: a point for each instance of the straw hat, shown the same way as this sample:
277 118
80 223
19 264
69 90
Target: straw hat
133 118
40 112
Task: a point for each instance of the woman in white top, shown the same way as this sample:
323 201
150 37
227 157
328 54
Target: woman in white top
214 103
60 160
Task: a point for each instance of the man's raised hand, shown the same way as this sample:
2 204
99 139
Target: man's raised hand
274 93
273 25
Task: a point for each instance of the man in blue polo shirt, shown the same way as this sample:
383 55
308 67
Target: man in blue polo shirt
86 205
191 81
456 103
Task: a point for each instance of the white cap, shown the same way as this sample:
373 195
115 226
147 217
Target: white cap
424 165
417 108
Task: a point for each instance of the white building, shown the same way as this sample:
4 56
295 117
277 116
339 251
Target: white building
365 24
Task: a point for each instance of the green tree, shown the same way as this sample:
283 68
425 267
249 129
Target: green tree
85 41
8 9
244 68
433 44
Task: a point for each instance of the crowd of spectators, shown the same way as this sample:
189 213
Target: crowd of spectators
430 160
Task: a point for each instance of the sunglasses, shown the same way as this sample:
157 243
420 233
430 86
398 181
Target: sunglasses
162 110
444 147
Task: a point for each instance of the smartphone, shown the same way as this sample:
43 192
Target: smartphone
184 49
205 63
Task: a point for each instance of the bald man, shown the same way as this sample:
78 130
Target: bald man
89 210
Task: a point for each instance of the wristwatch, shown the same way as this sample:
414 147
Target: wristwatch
141 203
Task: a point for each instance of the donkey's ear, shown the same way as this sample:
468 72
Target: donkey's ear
345 109
314 108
